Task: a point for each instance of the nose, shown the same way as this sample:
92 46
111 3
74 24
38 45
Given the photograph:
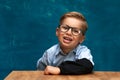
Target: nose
69 31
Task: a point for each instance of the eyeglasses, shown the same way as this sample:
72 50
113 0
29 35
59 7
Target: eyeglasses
65 28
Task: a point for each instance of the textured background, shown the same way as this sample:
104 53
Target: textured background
27 29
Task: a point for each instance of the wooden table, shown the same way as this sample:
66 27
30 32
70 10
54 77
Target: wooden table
39 75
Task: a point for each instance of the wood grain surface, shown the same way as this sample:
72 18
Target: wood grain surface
39 75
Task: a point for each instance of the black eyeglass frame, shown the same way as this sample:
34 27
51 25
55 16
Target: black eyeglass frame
72 29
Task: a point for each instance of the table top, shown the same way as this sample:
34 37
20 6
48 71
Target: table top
39 75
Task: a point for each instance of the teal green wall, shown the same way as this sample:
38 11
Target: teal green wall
27 29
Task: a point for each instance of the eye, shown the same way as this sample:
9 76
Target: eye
76 31
65 27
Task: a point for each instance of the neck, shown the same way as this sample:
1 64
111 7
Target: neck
66 50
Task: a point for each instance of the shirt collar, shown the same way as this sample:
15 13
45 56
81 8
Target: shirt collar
59 51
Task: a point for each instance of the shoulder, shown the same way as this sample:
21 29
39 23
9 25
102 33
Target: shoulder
53 49
83 51
82 48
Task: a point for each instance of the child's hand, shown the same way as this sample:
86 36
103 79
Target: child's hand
51 70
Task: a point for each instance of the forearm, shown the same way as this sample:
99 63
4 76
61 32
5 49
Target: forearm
81 66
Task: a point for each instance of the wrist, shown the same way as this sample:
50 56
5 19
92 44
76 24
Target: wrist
58 70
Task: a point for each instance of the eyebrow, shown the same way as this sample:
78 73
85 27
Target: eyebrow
72 27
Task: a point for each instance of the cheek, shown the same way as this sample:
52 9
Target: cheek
81 39
59 35
77 39
58 32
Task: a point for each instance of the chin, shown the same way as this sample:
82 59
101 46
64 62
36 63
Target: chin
67 45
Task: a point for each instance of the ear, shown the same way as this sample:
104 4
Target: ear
82 38
57 31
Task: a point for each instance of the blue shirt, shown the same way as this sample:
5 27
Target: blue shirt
54 56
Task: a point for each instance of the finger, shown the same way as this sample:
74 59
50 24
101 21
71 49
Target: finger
46 72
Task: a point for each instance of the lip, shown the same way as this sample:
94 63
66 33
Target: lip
67 39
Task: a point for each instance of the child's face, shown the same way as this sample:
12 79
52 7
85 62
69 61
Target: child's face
67 39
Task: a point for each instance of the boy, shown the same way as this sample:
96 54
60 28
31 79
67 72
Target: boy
68 56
